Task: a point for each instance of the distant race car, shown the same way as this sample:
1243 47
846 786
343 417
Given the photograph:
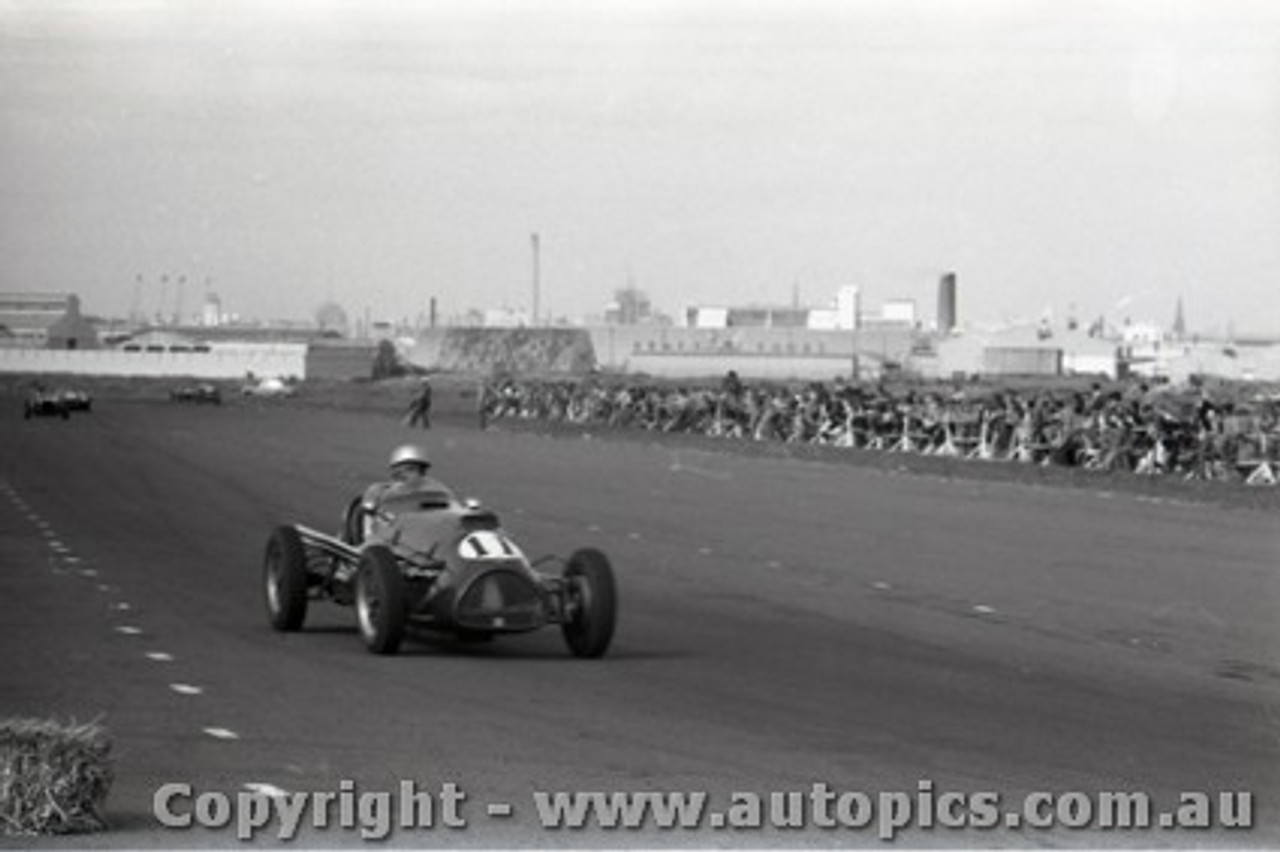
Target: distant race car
271 386
429 560
75 399
44 403
199 392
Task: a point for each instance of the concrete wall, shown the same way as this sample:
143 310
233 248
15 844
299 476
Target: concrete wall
663 351
690 366
224 361
1022 361
622 347
515 350
341 361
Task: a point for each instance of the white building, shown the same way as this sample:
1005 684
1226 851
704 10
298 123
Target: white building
899 310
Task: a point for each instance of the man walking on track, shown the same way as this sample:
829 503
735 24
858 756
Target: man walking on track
420 407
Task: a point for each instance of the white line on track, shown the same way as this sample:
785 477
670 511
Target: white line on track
221 733
129 630
159 657
634 536
265 789
186 688
984 609
705 551
882 585
67 557
88 572
122 606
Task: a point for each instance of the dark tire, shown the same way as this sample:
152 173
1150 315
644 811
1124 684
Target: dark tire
285 580
66 413
474 637
381 605
593 597
353 523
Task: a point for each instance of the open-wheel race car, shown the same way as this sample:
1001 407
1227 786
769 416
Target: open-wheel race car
45 403
76 399
427 559
197 392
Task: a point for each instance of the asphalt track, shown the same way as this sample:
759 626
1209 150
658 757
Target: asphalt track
784 623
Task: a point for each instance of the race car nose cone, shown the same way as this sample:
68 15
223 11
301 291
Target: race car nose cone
491 598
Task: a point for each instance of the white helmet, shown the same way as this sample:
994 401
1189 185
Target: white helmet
409 454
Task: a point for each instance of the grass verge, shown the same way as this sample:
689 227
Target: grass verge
54 777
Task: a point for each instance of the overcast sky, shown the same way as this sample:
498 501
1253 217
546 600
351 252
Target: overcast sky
1111 155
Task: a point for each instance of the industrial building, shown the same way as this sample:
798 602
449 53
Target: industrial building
44 321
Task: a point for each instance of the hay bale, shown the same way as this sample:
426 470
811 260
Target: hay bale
54 777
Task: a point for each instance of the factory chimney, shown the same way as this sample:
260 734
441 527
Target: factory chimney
947 303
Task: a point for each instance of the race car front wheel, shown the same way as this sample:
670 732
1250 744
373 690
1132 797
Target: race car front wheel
381 605
285 579
593 603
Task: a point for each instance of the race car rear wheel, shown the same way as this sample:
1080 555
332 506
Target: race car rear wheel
381 606
593 599
285 579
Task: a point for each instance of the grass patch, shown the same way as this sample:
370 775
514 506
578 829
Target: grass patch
54 777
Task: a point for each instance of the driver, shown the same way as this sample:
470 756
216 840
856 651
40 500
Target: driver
409 465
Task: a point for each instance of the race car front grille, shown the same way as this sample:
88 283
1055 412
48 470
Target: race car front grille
500 600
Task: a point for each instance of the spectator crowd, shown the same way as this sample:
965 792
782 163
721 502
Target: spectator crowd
1134 428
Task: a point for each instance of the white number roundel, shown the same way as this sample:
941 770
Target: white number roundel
487 544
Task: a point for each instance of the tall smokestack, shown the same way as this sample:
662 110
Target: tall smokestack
947 303
537 283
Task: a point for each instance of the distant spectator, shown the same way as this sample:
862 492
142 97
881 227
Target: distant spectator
419 413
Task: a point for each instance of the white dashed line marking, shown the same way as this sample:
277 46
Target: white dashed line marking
186 688
984 609
159 656
103 587
773 563
593 528
635 536
88 572
266 790
122 606
222 733
129 630
881 585
71 560
705 551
